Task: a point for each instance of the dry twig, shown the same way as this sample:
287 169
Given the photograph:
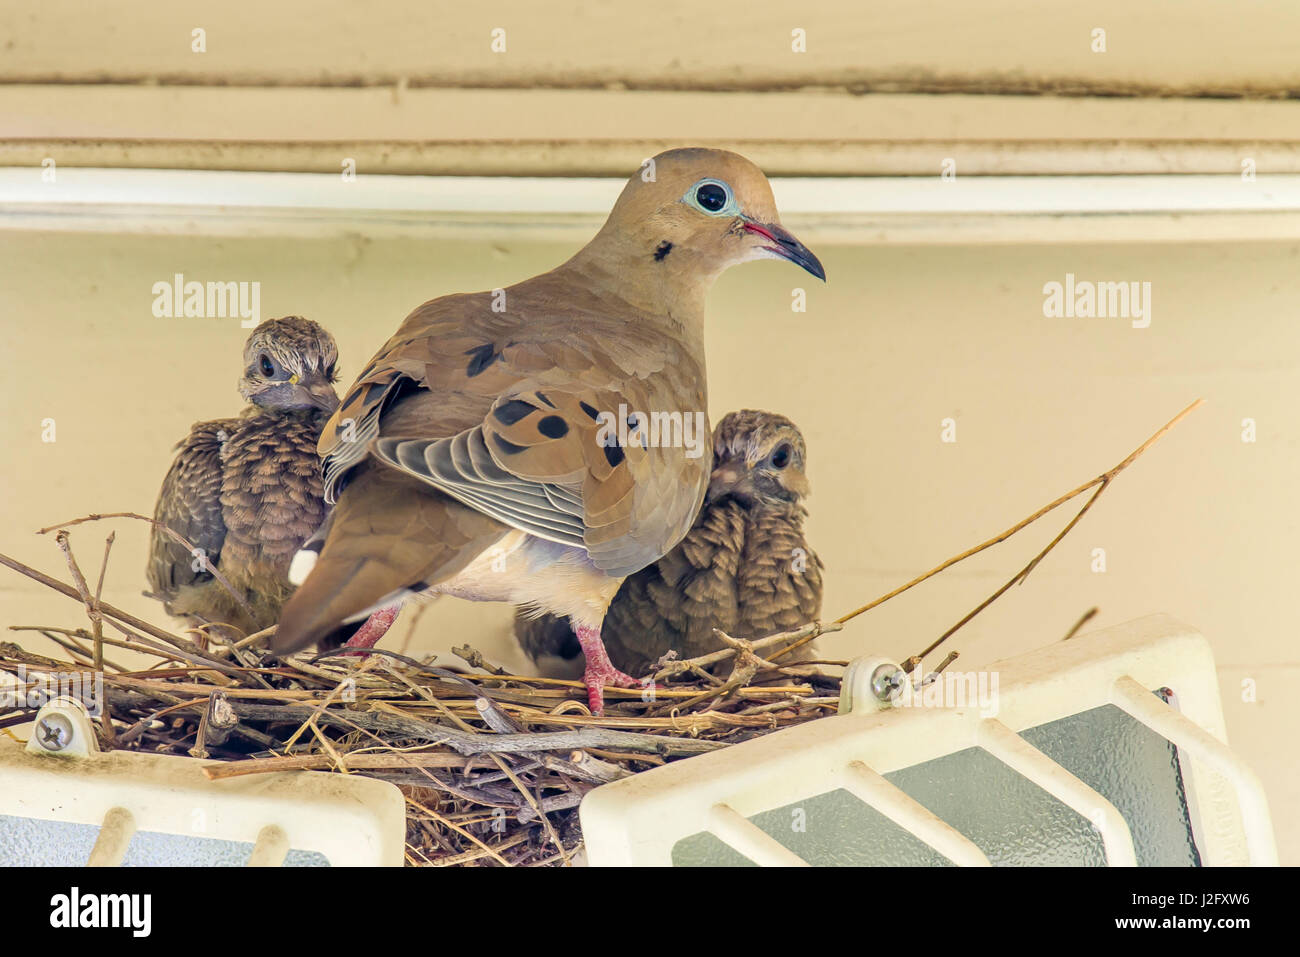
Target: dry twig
1100 483
175 536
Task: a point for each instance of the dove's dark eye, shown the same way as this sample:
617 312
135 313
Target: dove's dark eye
781 457
267 366
711 197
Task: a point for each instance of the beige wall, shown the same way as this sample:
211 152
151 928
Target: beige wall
905 334
901 337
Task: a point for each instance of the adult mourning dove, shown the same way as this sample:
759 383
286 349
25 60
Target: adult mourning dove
247 491
482 452
744 567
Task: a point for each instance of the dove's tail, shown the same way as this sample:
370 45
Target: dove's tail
389 537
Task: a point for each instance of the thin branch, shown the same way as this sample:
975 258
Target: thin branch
798 635
243 643
71 644
78 579
98 625
1100 483
934 675
1086 617
1099 480
175 536
166 655
1017 578
189 651
351 762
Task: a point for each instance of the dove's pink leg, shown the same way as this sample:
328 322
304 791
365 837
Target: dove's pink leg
374 628
600 670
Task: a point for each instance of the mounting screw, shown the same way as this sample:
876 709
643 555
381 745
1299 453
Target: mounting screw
886 680
54 732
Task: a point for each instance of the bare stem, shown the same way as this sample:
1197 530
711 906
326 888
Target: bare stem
175 536
186 648
1083 620
1101 482
78 579
98 625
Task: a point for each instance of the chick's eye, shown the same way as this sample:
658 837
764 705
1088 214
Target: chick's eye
711 197
267 366
781 457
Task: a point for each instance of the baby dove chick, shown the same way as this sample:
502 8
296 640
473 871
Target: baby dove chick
744 567
247 491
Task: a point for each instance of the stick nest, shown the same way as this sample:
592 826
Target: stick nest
492 765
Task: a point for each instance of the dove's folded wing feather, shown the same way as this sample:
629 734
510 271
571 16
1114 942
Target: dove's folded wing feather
506 417
189 503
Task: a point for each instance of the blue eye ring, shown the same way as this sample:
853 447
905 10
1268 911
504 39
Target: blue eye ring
712 197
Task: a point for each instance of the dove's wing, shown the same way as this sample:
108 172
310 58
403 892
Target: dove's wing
520 421
536 463
469 422
189 503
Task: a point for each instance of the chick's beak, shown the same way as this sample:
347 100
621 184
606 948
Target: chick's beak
319 393
783 243
727 479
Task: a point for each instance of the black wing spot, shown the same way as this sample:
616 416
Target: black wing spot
553 427
512 411
542 396
664 249
614 455
590 410
480 358
507 447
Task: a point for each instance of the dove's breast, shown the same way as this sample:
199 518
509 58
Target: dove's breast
272 497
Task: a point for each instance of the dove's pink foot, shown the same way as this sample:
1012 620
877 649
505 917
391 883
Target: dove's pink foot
600 671
374 628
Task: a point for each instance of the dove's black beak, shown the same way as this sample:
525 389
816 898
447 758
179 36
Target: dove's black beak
783 243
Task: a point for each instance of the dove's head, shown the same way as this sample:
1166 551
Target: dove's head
692 213
758 459
289 364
